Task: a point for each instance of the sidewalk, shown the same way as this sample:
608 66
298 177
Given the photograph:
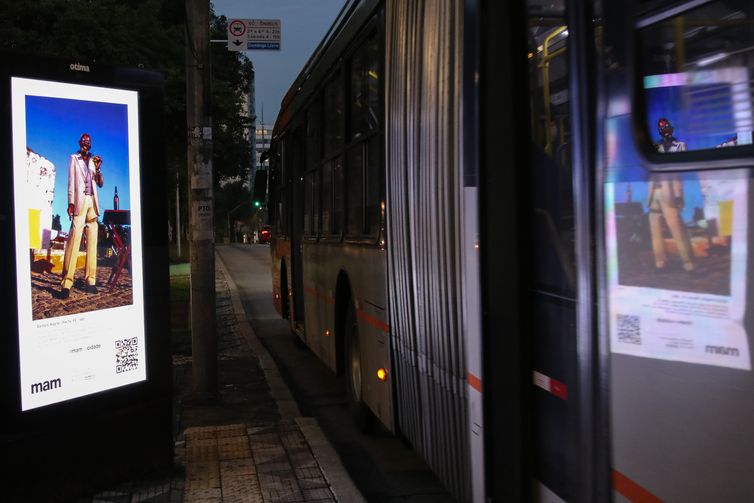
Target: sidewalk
252 445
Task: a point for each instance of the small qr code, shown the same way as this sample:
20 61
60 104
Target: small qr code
629 329
126 355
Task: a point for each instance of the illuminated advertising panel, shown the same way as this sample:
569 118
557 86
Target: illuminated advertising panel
77 240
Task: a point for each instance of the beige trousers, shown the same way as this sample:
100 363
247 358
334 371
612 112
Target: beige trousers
86 219
661 206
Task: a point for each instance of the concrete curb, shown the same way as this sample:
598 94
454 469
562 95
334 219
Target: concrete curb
332 468
340 482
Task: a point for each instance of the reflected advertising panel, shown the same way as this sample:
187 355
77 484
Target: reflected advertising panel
699 110
77 239
677 267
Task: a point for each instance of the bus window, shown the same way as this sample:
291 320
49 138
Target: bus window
313 135
358 98
355 191
365 89
373 82
315 203
337 196
696 70
327 197
373 178
334 124
551 186
309 203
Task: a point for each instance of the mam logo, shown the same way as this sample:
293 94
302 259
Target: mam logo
722 350
38 387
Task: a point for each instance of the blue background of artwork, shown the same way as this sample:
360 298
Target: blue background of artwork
667 102
53 129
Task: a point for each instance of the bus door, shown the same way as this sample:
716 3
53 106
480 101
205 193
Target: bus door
538 175
298 161
549 286
678 226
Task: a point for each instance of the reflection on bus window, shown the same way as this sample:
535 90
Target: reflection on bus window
697 77
334 115
551 195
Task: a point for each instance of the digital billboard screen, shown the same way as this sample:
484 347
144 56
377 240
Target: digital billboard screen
78 241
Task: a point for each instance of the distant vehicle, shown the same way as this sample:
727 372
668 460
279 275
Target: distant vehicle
264 234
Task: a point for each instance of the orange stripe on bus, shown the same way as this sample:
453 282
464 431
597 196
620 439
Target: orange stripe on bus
631 490
474 382
371 320
319 295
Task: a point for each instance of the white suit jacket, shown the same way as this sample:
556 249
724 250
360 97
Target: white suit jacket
77 182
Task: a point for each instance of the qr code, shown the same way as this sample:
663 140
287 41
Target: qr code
629 329
126 355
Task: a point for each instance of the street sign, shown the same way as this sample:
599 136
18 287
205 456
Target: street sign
264 34
252 34
237 34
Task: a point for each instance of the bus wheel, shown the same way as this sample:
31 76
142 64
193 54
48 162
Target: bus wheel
360 413
284 303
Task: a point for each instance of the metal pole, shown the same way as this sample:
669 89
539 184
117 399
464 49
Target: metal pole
201 236
178 214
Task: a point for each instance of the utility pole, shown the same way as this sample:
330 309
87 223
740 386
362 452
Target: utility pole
178 213
201 236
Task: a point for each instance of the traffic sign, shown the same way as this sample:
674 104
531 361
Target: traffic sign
250 34
238 30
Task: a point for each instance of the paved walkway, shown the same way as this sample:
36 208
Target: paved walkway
251 444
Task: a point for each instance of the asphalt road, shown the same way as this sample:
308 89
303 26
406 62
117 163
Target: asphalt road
383 467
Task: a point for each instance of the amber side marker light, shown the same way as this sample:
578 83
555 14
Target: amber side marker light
382 375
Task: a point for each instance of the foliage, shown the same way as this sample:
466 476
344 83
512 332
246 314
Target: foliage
146 34
231 123
232 203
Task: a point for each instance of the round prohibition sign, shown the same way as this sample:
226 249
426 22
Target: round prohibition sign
237 28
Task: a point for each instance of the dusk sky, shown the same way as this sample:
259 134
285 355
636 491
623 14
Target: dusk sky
303 24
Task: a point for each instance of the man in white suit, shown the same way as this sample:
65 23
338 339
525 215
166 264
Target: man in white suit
84 176
665 201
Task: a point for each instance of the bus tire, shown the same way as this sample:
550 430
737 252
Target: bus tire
284 301
360 413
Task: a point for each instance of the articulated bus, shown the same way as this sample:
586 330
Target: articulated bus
520 229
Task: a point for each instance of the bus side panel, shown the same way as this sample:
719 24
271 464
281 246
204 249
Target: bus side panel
369 289
679 271
317 298
365 268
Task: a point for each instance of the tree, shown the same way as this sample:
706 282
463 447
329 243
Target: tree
231 81
145 34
